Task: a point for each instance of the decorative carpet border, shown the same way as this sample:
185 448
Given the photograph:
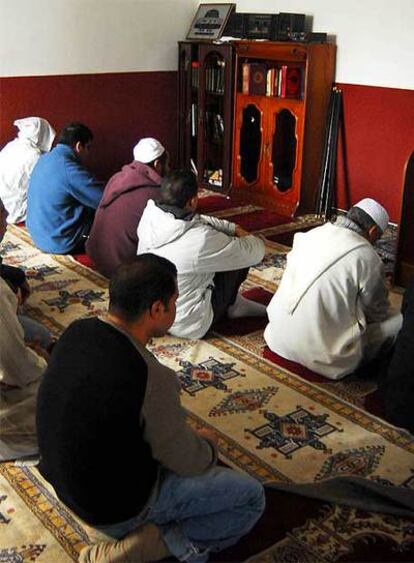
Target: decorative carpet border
242 210
52 514
303 221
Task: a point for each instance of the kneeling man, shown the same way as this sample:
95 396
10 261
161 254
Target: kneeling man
331 311
109 412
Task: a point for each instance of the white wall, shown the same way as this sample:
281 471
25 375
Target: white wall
374 37
86 36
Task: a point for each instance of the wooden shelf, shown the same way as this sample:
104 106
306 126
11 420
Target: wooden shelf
264 136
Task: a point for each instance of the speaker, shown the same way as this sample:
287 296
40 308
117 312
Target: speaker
308 37
235 25
286 24
259 26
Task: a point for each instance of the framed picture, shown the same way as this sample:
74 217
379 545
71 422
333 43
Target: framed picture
210 21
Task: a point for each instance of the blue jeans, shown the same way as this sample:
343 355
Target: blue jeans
35 332
199 515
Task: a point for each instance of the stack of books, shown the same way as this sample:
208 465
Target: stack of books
284 81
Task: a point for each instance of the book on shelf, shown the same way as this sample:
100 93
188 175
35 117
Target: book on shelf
272 79
194 73
214 126
254 79
215 178
193 120
215 78
220 79
193 167
220 125
290 81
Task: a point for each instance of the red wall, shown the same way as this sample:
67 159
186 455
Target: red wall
378 140
119 108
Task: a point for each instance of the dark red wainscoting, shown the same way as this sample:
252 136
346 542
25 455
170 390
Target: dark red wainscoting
379 138
120 108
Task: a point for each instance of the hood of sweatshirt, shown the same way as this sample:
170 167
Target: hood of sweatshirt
158 227
133 176
312 254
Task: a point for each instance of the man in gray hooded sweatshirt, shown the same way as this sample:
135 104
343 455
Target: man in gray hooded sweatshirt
331 311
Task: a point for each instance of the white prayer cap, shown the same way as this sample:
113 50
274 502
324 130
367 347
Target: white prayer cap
375 211
147 150
37 131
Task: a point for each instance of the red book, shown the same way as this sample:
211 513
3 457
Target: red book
291 82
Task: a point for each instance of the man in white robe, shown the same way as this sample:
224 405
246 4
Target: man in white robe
21 368
17 160
331 311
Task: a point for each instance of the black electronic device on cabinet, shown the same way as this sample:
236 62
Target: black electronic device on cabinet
287 23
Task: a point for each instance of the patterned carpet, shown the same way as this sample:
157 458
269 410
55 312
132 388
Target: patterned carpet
252 217
269 422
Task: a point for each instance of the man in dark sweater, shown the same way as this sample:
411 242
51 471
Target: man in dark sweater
113 238
398 386
109 412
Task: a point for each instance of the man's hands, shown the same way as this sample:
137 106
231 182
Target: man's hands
35 346
208 434
240 232
23 292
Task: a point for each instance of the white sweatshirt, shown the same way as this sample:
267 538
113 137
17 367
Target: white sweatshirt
199 248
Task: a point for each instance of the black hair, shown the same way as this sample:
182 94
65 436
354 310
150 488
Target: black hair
162 159
361 218
178 187
75 132
136 285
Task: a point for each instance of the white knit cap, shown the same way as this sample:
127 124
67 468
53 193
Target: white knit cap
375 211
147 150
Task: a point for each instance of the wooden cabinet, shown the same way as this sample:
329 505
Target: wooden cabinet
264 143
206 76
278 137
268 152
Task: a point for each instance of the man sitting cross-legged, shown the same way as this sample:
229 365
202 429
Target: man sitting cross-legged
21 363
109 412
212 256
113 237
63 195
17 160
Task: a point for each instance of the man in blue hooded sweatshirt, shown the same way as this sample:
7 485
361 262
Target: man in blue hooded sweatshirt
63 195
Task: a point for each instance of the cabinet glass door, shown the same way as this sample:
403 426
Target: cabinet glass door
188 104
250 143
214 126
215 116
284 150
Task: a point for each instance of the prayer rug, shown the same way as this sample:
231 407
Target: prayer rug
253 218
281 229
269 422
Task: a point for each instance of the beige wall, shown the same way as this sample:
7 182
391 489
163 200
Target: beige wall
37 37
40 37
374 37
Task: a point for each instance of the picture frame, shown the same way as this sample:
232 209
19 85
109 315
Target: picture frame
210 21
